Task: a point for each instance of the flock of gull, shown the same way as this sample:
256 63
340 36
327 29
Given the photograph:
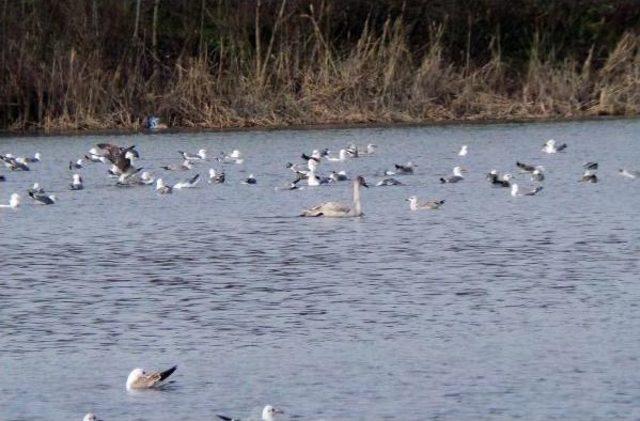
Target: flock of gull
121 163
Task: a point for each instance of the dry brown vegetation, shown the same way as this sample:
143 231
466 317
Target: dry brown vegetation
289 63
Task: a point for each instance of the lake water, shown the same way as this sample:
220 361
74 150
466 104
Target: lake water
493 307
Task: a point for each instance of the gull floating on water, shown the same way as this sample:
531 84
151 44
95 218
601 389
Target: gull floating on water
499 180
75 165
550 146
36 158
187 184
388 182
43 198
515 191
456 177
342 155
590 165
338 176
463 151
339 210
414 205
216 177
76 184
538 174
139 379
13 164
269 413
162 188
629 173
589 177
528 168
200 156
14 202
90 417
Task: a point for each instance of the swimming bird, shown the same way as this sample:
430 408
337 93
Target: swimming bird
216 177
43 198
388 182
187 184
36 158
36 188
139 379
146 178
463 151
162 188
515 191
590 165
339 210
76 184
342 155
13 164
14 202
185 166
313 180
526 167
352 150
75 165
629 173
430 205
235 156
589 177
550 146
404 168
498 180
129 178
95 158
269 413
90 417
456 177
338 176
200 156
538 174
250 180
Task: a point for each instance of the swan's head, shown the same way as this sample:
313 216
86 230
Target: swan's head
269 413
90 417
136 374
37 156
202 153
361 181
14 201
77 179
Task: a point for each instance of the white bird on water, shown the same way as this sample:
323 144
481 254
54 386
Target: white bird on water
91 417
76 184
414 205
187 184
14 202
162 188
515 191
140 379
551 147
339 210
456 177
463 151
269 413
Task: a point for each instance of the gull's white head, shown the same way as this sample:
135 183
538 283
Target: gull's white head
146 176
79 161
493 172
36 186
202 153
37 156
187 164
413 202
458 171
212 173
269 413
507 177
316 154
90 417
235 154
130 156
134 376
514 189
53 198
94 151
550 142
343 154
14 201
159 184
77 179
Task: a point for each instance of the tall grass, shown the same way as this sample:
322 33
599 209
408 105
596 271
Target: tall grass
294 70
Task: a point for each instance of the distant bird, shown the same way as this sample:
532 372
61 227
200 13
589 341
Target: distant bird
75 165
14 202
146 178
43 198
463 151
342 155
388 182
371 149
538 174
526 167
76 184
339 210
140 379
216 177
589 177
338 176
36 188
200 156
235 156
515 191
162 188
185 166
352 151
550 146
456 177
90 417
36 158
269 413
13 164
498 180
414 205
250 180
405 168
590 165
629 173
187 184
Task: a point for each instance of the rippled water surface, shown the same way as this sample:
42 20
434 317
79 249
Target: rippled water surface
493 307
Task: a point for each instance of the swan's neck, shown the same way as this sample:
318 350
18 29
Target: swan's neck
357 206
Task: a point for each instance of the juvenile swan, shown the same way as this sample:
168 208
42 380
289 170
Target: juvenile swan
339 210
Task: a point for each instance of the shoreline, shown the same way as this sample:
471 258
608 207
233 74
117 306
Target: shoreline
309 127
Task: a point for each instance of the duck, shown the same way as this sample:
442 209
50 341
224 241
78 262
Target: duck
76 184
515 191
339 210
456 177
414 205
14 202
140 379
